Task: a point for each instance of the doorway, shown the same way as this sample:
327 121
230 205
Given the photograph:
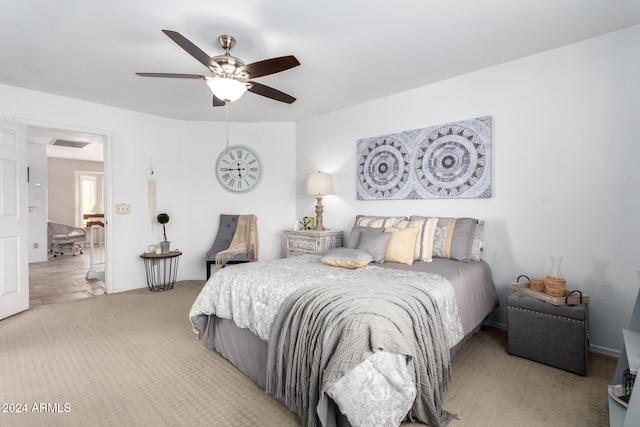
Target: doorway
85 153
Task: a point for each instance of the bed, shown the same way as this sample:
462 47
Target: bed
312 329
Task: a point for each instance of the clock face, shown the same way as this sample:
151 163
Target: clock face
239 169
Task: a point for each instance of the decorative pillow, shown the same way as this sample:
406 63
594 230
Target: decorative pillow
346 258
476 245
402 245
377 221
453 238
424 242
354 237
375 244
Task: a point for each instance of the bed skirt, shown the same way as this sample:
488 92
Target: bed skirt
249 353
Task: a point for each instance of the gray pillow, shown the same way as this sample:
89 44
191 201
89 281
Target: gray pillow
346 258
374 243
354 237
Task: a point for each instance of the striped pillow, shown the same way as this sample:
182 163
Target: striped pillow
424 243
378 221
454 238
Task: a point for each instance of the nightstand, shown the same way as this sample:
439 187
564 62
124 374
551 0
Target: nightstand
302 242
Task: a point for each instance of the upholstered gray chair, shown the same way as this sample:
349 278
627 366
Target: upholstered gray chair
226 230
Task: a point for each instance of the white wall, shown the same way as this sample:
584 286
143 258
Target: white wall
183 155
37 194
272 201
565 158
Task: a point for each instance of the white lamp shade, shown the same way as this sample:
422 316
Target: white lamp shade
97 208
228 90
320 183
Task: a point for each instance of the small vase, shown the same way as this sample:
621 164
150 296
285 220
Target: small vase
556 271
164 246
555 282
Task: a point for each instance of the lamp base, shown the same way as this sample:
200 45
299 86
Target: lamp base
319 210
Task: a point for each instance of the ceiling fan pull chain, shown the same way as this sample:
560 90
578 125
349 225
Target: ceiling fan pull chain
226 106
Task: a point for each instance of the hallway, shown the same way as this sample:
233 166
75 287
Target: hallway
62 279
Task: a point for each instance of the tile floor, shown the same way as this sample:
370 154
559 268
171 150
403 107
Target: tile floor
61 279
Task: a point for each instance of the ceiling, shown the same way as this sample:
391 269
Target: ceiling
92 151
351 51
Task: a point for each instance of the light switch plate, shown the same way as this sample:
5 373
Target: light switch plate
123 208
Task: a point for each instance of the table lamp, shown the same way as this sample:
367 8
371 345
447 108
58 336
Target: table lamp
319 184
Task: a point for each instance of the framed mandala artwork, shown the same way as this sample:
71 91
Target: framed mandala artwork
449 161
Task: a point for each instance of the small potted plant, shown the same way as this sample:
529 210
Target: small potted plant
163 218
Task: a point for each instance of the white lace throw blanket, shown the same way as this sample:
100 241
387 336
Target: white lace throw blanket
324 332
252 294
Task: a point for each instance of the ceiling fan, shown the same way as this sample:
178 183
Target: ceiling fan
231 77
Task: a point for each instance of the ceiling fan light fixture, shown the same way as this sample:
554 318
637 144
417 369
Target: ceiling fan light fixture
231 77
226 89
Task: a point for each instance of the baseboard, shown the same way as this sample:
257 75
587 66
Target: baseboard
605 350
496 324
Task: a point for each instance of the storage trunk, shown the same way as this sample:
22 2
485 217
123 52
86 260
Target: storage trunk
549 334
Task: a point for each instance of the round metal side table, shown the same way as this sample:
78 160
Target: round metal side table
161 269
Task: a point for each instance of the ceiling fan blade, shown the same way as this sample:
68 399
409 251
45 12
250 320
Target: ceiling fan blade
270 92
269 66
173 75
193 50
217 102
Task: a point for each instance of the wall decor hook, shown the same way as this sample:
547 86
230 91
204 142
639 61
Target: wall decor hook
150 173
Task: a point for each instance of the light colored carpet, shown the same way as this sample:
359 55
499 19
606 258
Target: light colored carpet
131 359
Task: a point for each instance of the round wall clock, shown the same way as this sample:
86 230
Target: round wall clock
239 169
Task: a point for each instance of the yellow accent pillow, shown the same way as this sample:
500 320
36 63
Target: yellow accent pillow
402 244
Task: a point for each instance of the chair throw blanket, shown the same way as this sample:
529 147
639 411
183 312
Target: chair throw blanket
323 332
245 239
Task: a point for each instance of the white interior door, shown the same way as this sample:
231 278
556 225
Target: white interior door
14 259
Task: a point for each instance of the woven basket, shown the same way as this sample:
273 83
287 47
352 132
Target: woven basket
537 285
555 286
